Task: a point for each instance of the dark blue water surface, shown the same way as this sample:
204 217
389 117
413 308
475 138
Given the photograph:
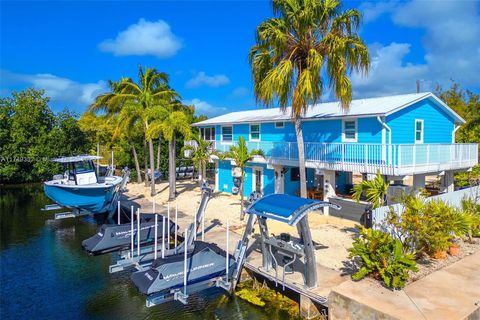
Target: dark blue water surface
44 274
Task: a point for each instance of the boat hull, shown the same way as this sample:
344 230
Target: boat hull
96 199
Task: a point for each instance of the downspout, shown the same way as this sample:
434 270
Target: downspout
455 128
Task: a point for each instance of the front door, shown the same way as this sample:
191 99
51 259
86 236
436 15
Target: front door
257 180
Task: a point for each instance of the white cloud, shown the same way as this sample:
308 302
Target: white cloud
202 78
203 107
57 88
144 38
451 45
239 92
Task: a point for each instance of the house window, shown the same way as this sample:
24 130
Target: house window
208 134
279 125
418 131
254 132
350 131
227 134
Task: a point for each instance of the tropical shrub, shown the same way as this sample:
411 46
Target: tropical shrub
375 191
471 210
382 257
428 227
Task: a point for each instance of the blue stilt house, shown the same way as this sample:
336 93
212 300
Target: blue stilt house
411 135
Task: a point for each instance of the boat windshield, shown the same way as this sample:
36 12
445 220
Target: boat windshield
84 167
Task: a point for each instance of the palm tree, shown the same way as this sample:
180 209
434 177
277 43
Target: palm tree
126 126
151 89
169 120
306 41
375 191
241 155
201 153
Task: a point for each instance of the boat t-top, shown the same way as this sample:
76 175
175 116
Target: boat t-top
81 190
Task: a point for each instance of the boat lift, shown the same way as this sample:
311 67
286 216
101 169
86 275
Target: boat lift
164 274
141 257
290 210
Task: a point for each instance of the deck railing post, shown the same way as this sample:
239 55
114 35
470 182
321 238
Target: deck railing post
366 157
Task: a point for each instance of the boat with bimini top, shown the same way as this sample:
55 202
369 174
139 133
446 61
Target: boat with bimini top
81 189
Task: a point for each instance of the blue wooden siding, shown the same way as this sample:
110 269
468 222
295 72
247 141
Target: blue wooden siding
369 130
225 178
292 187
438 125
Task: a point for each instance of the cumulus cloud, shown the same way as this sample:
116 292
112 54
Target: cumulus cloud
450 41
57 88
202 79
203 107
144 38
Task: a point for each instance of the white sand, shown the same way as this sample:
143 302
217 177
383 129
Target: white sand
332 236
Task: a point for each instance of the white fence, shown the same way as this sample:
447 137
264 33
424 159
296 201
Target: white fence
452 198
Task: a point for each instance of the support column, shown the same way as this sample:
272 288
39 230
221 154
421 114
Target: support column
418 182
328 187
279 179
308 310
447 182
217 176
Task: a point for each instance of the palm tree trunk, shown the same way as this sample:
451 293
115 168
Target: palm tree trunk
241 194
145 161
200 173
135 160
301 157
152 168
158 152
171 169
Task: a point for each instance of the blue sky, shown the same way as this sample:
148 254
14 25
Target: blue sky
71 49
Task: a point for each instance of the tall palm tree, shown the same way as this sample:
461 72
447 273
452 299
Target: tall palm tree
201 153
127 126
170 119
308 45
151 89
241 155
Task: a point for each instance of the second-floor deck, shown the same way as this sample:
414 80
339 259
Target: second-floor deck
390 159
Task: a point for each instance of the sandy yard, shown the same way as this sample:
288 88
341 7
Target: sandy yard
332 236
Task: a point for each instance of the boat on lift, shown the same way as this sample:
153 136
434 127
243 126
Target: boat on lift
80 189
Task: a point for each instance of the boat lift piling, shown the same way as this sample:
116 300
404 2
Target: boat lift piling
156 233
203 228
138 232
163 237
176 220
168 223
118 212
131 232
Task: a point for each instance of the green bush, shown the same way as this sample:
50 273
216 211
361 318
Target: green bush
471 211
382 257
429 227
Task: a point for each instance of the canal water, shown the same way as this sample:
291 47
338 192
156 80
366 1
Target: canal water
44 274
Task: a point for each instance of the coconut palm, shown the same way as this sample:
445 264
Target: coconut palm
170 119
200 154
151 89
307 46
375 191
127 127
241 155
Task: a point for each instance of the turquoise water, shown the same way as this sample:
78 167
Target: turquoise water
44 274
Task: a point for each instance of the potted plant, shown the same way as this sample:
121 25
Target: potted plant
454 249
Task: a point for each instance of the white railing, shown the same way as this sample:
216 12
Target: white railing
398 159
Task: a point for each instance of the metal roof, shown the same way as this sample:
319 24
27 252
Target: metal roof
381 106
76 158
286 208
